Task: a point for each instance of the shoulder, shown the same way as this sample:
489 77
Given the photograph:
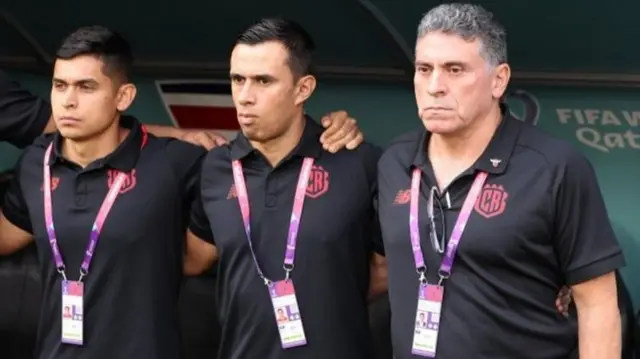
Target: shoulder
358 163
183 158
369 153
557 154
178 149
41 142
176 152
218 155
34 153
402 149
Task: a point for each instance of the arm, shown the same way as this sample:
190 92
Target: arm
378 280
200 255
165 131
599 326
589 254
378 277
378 267
200 252
341 131
15 223
12 237
23 115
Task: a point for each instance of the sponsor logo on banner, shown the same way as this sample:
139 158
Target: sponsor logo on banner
200 104
603 129
599 128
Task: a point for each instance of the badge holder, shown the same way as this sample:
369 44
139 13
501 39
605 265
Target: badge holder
427 320
72 311
285 308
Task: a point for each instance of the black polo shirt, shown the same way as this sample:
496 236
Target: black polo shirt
540 223
334 246
131 291
23 116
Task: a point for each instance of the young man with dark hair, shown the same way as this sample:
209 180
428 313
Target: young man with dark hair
119 198
294 226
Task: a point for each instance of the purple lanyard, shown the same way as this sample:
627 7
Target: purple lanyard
452 247
97 224
298 203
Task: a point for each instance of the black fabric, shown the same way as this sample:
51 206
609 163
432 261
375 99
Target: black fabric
199 326
20 299
380 324
23 116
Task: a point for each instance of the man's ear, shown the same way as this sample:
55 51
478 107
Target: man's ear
500 80
126 94
305 87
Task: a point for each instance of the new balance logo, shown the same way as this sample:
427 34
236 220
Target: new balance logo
232 192
403 197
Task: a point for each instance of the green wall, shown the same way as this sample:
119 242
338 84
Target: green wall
601 123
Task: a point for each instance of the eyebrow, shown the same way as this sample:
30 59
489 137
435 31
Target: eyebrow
254 77
446 64
88 81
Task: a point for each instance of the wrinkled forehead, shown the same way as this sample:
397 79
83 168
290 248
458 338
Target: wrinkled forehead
439 48
268 58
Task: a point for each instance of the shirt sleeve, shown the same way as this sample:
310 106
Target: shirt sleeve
187 160
23 115
584 238
14 206
371 155
198 222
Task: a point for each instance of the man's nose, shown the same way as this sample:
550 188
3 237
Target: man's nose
246 94
436 85
70 99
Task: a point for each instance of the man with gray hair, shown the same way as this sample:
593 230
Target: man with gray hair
519 211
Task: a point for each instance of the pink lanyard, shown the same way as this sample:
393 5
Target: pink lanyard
105 208
452 247
296 213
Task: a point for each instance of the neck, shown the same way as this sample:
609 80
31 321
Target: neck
468 145
277 149
87 151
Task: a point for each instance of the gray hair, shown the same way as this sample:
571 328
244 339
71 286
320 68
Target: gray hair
470 22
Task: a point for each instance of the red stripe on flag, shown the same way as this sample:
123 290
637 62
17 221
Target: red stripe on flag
215 118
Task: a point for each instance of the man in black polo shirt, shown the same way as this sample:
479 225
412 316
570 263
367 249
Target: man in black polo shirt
536 218
118 197
275 190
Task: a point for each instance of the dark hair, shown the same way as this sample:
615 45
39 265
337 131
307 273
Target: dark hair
109 46
290 34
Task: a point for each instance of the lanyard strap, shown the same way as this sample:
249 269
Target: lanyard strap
96 229
294 224
452 246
